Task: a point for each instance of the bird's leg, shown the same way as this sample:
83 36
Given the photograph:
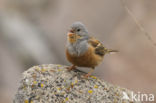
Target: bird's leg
71 67
89 73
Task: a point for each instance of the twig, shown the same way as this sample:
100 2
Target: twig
141 27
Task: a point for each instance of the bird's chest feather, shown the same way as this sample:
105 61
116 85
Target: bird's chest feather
77 49
85 58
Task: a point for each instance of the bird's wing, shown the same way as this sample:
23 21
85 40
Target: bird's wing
99 48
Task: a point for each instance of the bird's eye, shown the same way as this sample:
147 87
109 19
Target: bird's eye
78 30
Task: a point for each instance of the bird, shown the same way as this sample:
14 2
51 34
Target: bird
83 50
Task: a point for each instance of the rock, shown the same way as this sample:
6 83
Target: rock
54 84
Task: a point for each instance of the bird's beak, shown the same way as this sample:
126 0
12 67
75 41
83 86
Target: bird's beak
72 37
71 31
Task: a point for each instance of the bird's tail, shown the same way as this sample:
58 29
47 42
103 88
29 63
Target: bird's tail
110 51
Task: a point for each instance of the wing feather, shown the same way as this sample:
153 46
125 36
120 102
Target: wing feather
99 48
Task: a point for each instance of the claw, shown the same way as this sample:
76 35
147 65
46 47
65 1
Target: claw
89 73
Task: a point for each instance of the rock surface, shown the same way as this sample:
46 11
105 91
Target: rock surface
54 84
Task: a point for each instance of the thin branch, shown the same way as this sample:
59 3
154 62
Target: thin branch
141 27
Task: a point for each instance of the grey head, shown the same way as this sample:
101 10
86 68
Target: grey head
81 43
79 29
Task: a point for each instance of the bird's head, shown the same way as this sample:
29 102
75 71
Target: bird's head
77 32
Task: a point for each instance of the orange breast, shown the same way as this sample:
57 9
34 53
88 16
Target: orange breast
88 59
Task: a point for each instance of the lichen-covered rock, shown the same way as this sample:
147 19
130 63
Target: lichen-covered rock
54 84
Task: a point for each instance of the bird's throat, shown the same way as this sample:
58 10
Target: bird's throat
77 48
72 38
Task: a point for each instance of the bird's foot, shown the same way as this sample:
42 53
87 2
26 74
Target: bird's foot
87 75
71 67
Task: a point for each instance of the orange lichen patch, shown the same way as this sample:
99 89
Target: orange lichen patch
90 91
42 85
34 82
72 85
58 88
76 81
26 101
95 86
59 70
93 77
59 65
67 99
43 70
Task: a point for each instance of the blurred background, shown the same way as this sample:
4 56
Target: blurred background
34 32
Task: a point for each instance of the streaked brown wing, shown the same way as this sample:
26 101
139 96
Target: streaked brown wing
99 48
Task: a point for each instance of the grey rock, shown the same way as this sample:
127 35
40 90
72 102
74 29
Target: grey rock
55 84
